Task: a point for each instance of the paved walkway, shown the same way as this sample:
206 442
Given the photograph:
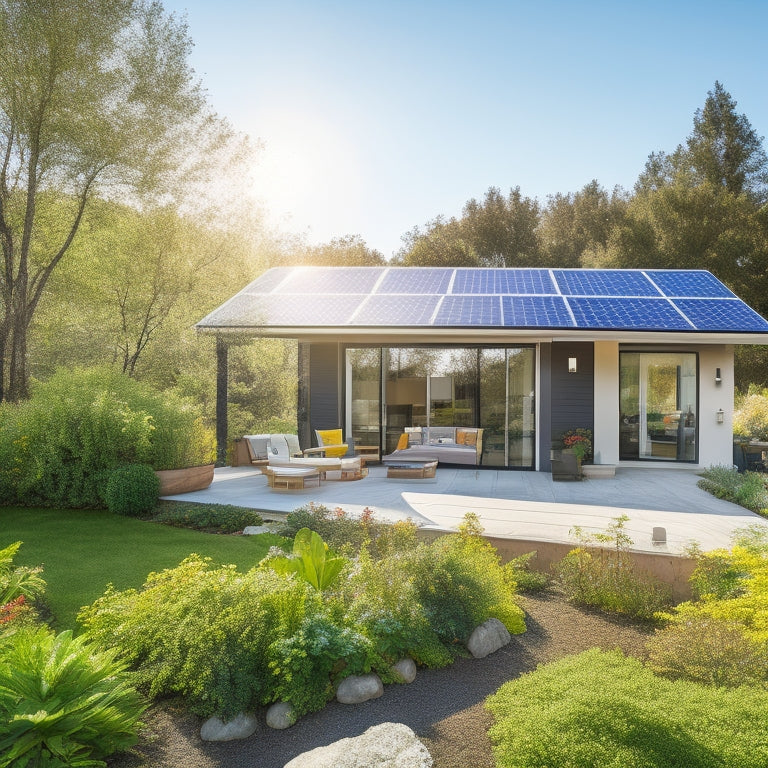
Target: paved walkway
520 505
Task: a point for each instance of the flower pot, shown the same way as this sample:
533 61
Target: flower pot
174 481
566 465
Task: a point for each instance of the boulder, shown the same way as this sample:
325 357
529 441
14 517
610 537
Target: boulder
389 745
280 715
359 688
255 530
487 638
405 669
241 727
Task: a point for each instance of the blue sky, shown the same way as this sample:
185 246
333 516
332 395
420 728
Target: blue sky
378 116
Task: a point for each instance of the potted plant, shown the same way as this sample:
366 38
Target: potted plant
577 448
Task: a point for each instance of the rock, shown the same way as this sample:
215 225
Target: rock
487 638
389 745
280 715
359 688
405 669
241 727
254 530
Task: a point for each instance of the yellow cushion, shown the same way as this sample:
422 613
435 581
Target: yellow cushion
332 437
402 443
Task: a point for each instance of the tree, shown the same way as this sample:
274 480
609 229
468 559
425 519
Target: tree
348 251
96 98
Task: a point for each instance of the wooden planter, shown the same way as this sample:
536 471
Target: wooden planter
174 481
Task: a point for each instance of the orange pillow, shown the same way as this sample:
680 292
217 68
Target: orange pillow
470 438
460 436
402 443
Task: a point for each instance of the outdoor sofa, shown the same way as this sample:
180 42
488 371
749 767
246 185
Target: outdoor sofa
449 445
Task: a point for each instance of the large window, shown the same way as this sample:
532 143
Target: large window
658 404
395 388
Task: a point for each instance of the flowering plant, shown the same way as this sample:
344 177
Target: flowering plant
580 440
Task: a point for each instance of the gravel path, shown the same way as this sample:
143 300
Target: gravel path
444 707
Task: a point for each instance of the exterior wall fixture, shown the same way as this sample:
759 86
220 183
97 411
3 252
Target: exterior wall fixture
720 416
572 368
718 378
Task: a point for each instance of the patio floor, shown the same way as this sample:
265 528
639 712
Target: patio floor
519 505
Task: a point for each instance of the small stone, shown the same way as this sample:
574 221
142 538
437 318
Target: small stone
359 688
405 669
240 727
389 745
254 530
488 638
280 715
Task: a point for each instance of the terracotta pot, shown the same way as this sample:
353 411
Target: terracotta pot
173 481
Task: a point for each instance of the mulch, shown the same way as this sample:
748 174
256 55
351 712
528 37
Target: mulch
444 706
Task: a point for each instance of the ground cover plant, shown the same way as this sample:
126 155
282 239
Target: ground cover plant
294 625
747 489
603 574
721 637
84 550
213 518
601 709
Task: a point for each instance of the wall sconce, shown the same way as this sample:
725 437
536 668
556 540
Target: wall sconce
571 365
720 416
718 378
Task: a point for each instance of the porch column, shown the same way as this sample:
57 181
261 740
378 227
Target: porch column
221 401
302 404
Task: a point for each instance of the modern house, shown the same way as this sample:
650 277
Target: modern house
643 358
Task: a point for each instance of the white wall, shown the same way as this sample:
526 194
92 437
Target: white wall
715 440
606 433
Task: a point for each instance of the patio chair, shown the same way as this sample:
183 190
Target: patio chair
329 444
753 458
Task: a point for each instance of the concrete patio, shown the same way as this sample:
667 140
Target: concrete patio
519 505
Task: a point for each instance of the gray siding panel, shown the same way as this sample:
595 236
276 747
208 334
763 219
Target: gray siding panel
325 387
572 395
545 411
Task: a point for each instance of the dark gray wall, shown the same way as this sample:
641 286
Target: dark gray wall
572 395
325 371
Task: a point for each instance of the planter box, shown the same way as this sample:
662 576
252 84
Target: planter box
174 481
565 465
598 470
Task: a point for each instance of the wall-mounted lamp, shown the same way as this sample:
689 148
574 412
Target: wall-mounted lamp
571 365
718 378
720 416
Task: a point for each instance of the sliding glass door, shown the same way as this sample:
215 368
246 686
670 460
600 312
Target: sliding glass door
658 406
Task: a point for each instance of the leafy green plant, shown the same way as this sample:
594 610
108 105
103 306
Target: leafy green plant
607 578
579 441
132 490
311 561
751 414
63 702
18 581
601 709
525 578
747 489
219 518
59 447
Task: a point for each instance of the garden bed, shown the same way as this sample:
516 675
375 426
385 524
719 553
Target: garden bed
444 706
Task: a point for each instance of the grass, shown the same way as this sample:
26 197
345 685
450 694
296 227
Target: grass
82 551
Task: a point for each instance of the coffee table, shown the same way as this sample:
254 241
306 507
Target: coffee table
290 477
411 469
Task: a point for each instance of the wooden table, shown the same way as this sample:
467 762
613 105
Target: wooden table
411 469
290 477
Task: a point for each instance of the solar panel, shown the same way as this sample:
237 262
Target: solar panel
330 280
388 310
269 280
476 311
721 315
688 284
286 310
537 281
423 280
603 282
634 313
536 312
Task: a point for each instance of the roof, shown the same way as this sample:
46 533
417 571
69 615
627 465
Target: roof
308 302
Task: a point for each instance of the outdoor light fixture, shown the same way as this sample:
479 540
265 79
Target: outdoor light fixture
571 365
718 379
720 416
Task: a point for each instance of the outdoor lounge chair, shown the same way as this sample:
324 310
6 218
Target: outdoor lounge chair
329 444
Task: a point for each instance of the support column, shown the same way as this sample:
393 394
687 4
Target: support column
222 376
302 405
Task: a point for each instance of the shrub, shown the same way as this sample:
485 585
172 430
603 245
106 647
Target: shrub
203 632
602 709
747 489
19 581
58 448
608 579
221 518
520 572
132 490
62 701
311 561
751 414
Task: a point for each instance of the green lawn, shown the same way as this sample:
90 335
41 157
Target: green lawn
81 551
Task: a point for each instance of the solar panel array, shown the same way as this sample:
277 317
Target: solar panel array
593 299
